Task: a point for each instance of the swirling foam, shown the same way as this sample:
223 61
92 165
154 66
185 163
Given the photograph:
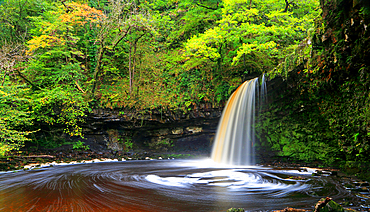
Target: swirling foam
233 179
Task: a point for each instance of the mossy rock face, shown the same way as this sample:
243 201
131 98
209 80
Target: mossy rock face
331 206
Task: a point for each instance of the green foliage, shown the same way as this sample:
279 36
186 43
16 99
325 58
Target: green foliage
94 48
57 49
293 132
142 55
79 145
324 113
60 106
251 27
14 117
15 19
160 144
127 144
48 141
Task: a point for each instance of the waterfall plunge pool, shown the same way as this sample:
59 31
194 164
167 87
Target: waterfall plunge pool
163 185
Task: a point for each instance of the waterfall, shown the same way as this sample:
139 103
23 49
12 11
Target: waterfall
235 134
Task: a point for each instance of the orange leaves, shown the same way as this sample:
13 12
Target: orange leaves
42 41
80 14
57 31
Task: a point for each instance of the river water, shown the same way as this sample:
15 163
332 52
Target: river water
162 185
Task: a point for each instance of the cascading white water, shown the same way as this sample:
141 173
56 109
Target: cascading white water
235 135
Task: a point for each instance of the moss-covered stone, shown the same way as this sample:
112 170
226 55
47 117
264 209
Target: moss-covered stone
235 210
332 207
328 205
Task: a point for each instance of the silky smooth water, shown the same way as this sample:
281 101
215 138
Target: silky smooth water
235 134
162 185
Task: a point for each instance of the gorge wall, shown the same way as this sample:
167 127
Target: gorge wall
154 130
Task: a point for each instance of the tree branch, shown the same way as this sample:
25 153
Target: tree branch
210 8
6 73
79 88
289 4
121 38
28 81
69 9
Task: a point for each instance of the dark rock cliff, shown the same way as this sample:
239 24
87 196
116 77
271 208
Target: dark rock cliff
154 130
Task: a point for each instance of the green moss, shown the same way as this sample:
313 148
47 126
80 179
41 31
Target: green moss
235 210
332 207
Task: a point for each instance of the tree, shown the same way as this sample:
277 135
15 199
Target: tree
324 110
14 116
15 113
58 64
125 17
15 19
251 28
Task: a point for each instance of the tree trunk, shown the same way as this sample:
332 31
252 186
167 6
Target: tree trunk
132 61
100 55
286 6
97 68
245 67
130 67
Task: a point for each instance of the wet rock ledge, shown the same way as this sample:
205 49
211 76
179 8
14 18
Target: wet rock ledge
152 130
